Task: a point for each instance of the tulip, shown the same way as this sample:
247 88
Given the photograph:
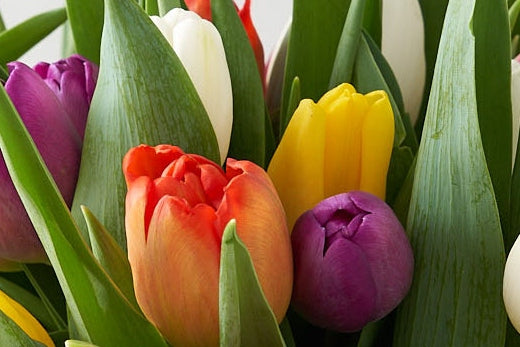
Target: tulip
53 102
511 285
198 45
342 143
353 263
203 9
177 207
18 314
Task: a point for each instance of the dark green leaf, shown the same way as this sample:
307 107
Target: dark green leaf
453 220
312 47
294 100
493 83
143 96
86 22
102 314
152 7
110 256
245 317
12 335
19 39
248 134
372 21
285 330
3 74
348 45
270 141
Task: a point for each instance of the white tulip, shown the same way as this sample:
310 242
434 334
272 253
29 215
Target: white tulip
511 285
199 46
403 46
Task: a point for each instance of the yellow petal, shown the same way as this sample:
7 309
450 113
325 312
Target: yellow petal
24 320
377 142
298 163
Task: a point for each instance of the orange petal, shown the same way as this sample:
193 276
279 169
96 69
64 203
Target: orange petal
176 275
251 199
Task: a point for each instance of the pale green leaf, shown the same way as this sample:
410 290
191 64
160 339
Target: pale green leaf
12 335
453 221
86 22
245 317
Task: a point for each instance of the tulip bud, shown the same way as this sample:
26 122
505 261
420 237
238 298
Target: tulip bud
353 263
177 207
198 45
53 102
511 285
18 314
342 143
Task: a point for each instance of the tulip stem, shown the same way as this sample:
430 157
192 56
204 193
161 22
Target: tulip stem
54 315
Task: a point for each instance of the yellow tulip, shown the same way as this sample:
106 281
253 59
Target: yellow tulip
18 314
342 143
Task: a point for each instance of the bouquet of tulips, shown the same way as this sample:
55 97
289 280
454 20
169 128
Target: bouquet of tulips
161 186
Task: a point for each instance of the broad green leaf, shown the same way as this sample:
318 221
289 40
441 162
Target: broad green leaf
152 7
166 5
68 47
111 257
371 72
245 318
292 104
312 46
453 221
248 134
513 13
348 45
28 300
433 15
102 314
86 22
19 39
12 335
372 20
76 343
143 96
493 85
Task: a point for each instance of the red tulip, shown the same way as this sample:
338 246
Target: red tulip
177 207
53 101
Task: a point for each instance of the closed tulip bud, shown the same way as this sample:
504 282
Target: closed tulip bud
511 285
353 263
342 143
198 45
19 315
53 102
177 207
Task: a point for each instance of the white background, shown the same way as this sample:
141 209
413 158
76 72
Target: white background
269 17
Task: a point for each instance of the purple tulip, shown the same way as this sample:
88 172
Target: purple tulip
53 101
352 260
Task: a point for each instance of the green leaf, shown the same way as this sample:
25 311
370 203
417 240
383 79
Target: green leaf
312 47
28 300
86 22
285 330
453 221
248 134
102 314
19 39
433 15
152 7
143 96
245 317
68 47
371 72
292 104
3 74
348 45
372 21
12 335
2 24
76 343
513 13
111 257
493 85
166 5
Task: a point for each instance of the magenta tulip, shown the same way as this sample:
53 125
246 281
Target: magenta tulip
353 263
53 102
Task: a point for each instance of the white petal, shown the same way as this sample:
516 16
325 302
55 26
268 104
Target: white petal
199 47
511 286
403 46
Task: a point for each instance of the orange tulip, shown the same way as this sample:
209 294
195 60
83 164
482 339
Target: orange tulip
177 207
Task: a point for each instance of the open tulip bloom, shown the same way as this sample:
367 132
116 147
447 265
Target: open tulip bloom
162 185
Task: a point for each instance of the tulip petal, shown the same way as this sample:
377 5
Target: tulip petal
297 166
185 304
251 199
200 49
377 141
